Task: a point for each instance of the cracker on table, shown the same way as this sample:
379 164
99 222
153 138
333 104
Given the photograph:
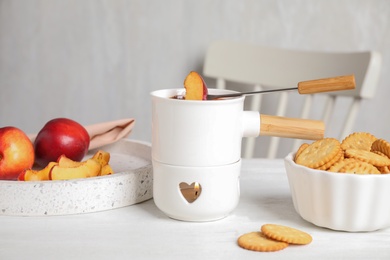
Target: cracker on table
367 156
360 167
319 153
358 140
286 234
257 241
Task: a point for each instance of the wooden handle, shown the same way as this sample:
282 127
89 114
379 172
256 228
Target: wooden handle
327 85
291 127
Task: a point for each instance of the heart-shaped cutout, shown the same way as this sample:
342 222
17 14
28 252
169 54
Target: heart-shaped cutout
190 192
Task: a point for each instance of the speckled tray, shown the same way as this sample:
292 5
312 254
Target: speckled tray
132 183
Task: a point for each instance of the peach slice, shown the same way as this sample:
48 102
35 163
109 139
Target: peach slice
66 162
102 157
106 170
195 86
37 175
88 168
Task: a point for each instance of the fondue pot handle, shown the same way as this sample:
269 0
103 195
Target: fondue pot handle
291 127
327 85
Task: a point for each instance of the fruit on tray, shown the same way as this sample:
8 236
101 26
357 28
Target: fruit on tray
16 152
66 162
65 168
102 157
88 168
106 170
61 136
37 175
195 86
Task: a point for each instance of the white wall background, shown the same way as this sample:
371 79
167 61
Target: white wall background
96 61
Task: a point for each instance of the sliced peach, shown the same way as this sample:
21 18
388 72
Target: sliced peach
65 162
195 86
37 175
102 157
88 168
106 170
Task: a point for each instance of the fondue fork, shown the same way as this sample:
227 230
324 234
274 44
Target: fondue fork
304 87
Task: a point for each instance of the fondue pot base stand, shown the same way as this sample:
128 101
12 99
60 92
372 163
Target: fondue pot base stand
131 183
196 193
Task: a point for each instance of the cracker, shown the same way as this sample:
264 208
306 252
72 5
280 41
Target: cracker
360 167
338 157
300 150
257 241
383 169
382 146
358 140
340 164
319 153
286 234
367 156
380 153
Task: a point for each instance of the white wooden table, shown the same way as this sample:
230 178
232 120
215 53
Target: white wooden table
143 232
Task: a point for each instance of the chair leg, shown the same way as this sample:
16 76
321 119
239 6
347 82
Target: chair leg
249 147
304 114
221 84
328 110
350 120
274 143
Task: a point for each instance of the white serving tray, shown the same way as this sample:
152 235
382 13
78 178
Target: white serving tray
131 183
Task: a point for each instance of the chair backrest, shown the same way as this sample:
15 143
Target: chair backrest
267 67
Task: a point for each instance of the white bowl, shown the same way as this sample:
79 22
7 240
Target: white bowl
346 202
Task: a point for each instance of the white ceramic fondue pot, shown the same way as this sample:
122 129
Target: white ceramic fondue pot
209 133
196 149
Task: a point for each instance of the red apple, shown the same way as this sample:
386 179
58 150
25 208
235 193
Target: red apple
16 153
195 86
61 136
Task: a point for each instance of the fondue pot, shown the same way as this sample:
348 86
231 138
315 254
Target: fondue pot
196 146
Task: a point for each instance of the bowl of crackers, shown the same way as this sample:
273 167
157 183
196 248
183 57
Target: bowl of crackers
342 185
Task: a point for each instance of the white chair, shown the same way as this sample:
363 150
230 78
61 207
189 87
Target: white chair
267 68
